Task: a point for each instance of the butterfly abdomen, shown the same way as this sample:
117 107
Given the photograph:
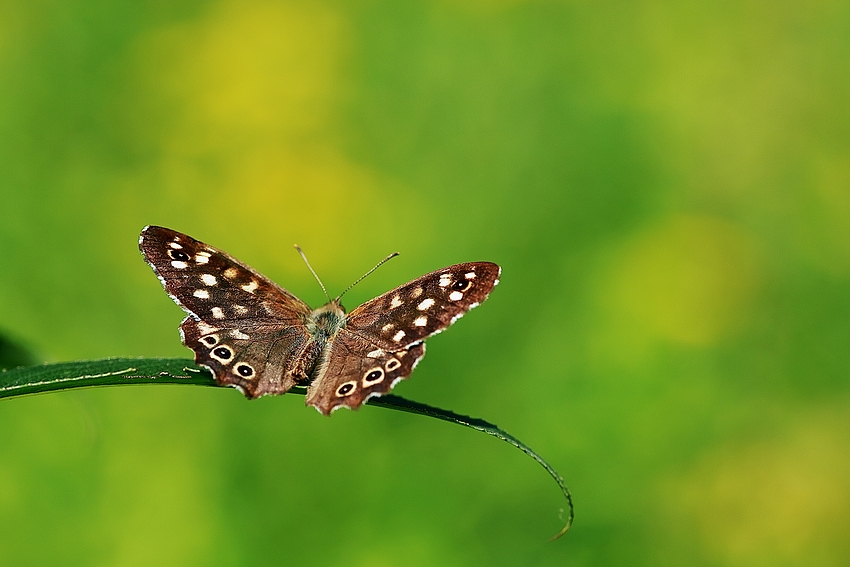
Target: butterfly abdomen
322 326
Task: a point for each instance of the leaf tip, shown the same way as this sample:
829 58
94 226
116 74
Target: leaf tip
566 526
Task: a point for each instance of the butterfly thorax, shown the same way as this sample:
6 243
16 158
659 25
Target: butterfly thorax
325 322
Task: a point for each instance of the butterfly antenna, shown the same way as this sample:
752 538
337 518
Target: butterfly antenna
363 277
312 271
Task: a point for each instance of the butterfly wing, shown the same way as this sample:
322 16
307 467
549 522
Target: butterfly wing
242 326
355 369
383 338
425 306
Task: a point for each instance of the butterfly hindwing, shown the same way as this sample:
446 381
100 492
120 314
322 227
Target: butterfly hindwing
256 363
356 369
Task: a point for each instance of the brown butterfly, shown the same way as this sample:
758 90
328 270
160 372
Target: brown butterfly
259 338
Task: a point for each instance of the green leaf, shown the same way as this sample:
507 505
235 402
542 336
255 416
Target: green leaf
125 371
106 372
402 404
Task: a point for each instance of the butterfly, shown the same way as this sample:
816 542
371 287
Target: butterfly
258 337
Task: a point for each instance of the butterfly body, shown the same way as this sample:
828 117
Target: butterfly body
325 322
256 336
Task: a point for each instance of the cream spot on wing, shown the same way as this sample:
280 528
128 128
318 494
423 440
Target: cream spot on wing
416 293
455 296
396 302
209 279
205 328
175 245
375 353
217 313
251 287
179 265
445 279
201 259
201 294
240 309
469 275
398 336
426 303
387 327
421 321
239 335
231 273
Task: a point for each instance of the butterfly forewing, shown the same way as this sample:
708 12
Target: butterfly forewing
424 306
213 285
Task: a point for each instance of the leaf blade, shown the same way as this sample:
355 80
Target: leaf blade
126 371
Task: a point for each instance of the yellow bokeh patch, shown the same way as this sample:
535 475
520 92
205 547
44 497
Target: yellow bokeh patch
246 101
689 280
247 73
777 501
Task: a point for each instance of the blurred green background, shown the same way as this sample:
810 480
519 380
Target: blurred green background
665 184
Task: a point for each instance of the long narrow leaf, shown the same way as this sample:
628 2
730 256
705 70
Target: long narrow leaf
125 371
402 404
